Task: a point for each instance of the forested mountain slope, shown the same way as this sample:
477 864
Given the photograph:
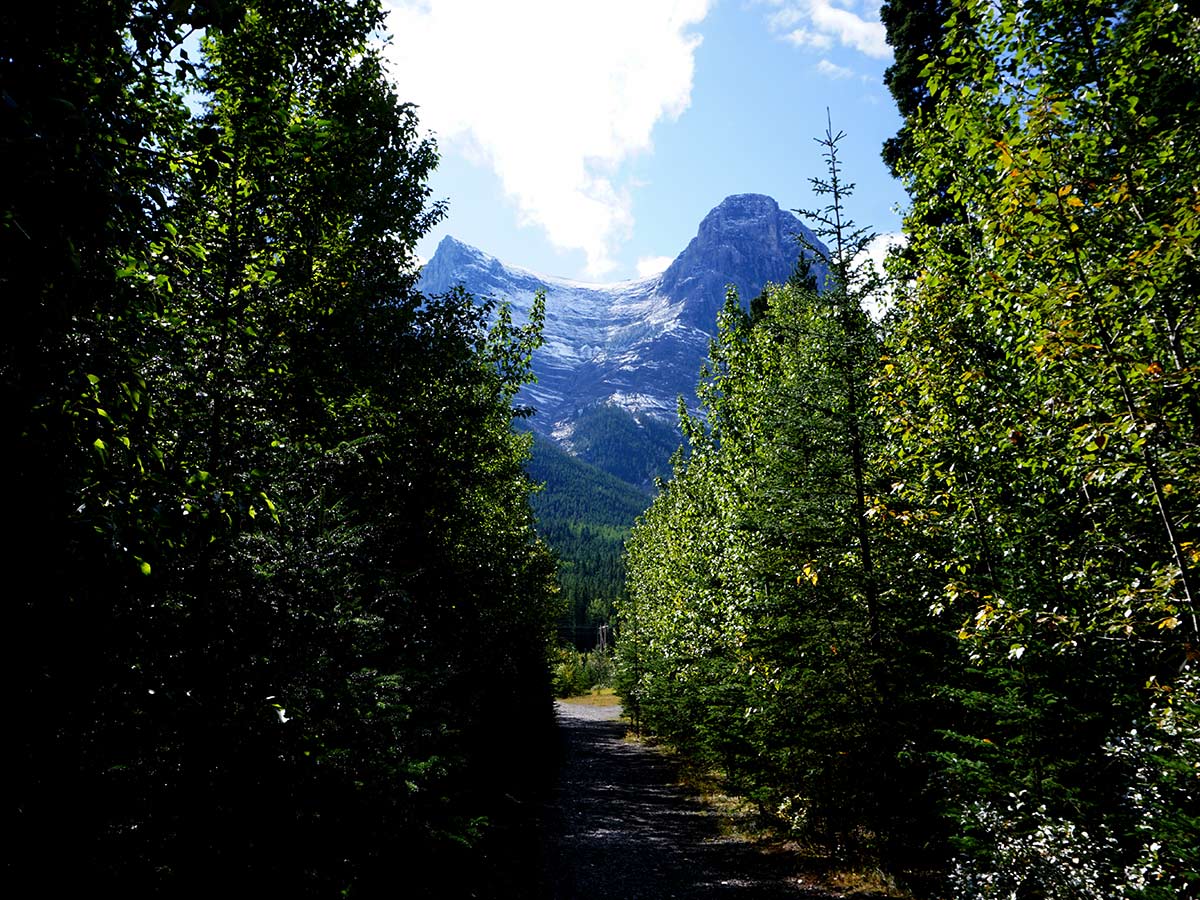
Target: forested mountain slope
585 514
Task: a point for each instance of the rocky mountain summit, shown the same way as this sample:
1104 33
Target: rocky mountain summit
635 346
747 241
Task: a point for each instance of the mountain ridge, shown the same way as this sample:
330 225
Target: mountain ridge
636 344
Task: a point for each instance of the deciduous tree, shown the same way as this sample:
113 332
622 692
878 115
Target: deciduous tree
291 571
1042 389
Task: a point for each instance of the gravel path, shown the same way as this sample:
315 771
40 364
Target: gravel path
618 828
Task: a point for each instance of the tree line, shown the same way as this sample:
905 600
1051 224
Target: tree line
925 585
272 573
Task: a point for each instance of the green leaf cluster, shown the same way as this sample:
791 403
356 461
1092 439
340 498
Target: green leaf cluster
1039 398
274 569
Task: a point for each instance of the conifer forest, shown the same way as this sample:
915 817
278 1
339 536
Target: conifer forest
921 586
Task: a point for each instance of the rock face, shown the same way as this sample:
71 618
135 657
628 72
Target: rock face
621 342
747 241
635 345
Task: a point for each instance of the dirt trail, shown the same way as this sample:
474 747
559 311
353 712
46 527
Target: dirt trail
618 828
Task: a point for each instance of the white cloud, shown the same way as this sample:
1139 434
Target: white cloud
803 37
821 23
553 95
652 265
882 244
873 255
833 70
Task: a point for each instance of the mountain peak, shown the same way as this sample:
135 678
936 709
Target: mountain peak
456 262
451 247
747 204
746 240
637 344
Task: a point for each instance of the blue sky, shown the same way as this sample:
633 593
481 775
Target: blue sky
587 138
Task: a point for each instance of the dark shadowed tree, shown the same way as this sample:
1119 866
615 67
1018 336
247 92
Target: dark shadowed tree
276 508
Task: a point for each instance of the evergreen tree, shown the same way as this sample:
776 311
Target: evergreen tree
916 33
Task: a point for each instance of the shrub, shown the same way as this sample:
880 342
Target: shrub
577 673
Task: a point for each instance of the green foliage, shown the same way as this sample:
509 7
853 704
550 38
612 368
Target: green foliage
916 33
584 515
756 633
1164 792
576 673
290 583
1039 390
950 562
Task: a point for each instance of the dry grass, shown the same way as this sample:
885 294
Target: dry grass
595 697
